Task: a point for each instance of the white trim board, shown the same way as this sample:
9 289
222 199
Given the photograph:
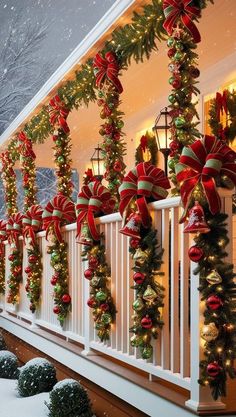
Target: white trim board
116 11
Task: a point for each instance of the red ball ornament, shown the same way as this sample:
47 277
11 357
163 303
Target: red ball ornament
56 310
171 52
117 166
66 298
91 302
116 136
195 253
139 277
28 270
214 302
176 83
146 322
108 129
11 257
88 274
213 369
53 280
93 262
134 243
104 307
54 138
32 258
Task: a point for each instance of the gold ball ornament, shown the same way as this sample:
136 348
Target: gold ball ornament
149 294
214 277
141 256
209 332
227 182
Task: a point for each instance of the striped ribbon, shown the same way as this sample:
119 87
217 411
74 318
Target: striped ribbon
107 67
144 182
56 213
90 202
14 227
32 222
58 113
201 163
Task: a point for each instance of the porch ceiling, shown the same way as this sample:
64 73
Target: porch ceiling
145 84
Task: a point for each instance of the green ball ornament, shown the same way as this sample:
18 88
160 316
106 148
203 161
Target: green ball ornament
171 79
100 94
178 56
180 122
179 46
170 42
58 142
57 288
171 164
101 296
147 352
172 98
138 304
55 257
61 159
99 326
120 124
136 340
106 318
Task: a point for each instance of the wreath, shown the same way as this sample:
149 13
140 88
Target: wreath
147 145
223 105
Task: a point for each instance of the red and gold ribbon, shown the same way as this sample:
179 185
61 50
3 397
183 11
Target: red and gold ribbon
57 212
32 222
201 163
90 202
181 10
25 146
14 227
144 182
58 113
107 67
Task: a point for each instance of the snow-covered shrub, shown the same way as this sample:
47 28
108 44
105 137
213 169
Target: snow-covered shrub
2 342
37 375
69 399
8 365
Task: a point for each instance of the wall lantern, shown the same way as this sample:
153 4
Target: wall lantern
161 132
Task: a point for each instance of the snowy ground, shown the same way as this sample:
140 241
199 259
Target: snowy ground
11 405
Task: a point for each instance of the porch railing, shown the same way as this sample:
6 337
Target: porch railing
178 343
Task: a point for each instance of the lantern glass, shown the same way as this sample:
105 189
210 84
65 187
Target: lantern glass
97 163
161 131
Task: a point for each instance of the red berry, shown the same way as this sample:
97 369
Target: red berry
28 270
32 258
11 257
53 280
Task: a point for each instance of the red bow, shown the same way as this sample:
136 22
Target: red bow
32 221
14 227
91 200
181 9
107 67
221 103
56 212
25 147
202 162
58 113
143 182
143 142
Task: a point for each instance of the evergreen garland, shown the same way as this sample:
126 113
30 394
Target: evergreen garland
14 230
62 150
217 284
3 236
28 170
101 301
149 293
34 271
9 183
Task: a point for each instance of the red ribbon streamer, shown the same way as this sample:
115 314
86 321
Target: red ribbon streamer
58 113
175 10
221 104
107 67
145 181
144 143
3 236
202 162
92 199
32 221
25 147
56 212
